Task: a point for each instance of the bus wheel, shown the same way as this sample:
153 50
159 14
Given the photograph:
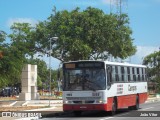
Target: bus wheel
114 107
77 113
136 107
130 108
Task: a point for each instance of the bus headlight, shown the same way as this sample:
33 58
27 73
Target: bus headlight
100 101
67 102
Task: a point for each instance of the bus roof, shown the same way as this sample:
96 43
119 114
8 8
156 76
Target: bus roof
111 63
124 64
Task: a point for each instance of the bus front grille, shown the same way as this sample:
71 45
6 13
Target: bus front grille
83 98
83 102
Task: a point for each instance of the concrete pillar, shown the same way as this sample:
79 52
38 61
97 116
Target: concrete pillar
29 83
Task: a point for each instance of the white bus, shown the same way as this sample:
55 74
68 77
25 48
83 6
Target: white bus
103 85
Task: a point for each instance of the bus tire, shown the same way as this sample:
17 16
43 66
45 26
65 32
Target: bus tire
130 108
136 106
77 113
114 107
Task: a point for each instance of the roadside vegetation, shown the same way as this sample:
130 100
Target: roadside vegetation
82 35
153 63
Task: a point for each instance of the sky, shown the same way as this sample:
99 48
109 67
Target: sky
143 14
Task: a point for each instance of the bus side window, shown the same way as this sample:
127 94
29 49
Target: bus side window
138 74
109 74
113 74
131 74
116 73
128 74
134 75
145 74
122 73
142 74
125 74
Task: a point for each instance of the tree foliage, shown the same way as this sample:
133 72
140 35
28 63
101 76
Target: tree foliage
10 64
22 38
87 34
153 63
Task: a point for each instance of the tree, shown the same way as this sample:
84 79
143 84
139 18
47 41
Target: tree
153 63
2 44
15 52
87 34
10 70
2 36
22 38
3 48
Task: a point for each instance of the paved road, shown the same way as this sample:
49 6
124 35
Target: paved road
147 109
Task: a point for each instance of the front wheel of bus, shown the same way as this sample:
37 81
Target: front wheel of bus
77 113
136 107
114 107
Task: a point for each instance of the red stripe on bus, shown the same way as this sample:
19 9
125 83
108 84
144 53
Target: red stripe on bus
122 101
130 100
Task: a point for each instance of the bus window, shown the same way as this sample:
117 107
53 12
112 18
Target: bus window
138 74
131 73
113 74
125 74
142 74
134 75
109 74
116 73
145 74
122 73
128 73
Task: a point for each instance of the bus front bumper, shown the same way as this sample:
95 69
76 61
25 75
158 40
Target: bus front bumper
84 107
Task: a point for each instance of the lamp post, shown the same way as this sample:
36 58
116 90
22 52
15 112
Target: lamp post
50 75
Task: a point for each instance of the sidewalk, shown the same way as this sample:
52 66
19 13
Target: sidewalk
153 99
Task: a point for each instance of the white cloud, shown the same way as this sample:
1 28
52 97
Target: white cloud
142 51
31 21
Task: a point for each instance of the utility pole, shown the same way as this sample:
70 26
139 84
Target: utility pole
50 72
118 6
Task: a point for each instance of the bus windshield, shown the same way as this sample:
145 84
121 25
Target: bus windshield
84 79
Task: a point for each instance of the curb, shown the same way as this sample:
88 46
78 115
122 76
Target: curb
13 103
41 109
25 104
155 99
